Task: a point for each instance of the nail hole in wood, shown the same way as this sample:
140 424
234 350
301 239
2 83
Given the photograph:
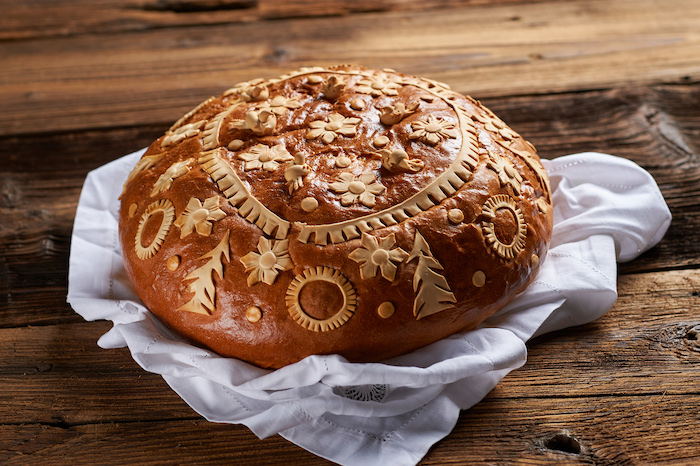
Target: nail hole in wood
692 334
564 443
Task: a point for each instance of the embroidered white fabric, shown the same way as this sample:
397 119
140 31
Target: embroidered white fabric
606 209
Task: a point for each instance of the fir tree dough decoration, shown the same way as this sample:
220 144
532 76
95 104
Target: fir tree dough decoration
433 292
203 287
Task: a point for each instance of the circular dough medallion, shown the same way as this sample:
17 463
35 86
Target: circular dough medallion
351 209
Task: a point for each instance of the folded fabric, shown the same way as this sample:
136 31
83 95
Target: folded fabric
606 209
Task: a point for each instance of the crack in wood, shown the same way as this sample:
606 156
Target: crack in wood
198 6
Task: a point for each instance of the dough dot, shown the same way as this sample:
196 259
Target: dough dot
173 263
342 161
309 204
479 279
380 141
455 215
357 104
386 310
253 314
235 144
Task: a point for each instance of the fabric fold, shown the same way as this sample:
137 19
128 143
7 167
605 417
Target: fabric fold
606 209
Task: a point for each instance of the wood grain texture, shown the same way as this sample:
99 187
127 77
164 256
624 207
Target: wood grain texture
640 380
87 82
612 430
73 17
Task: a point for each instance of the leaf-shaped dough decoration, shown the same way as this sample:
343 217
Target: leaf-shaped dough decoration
204 299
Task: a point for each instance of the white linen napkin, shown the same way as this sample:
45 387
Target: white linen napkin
607 209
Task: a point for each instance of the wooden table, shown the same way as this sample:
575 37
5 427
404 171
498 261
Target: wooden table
83 82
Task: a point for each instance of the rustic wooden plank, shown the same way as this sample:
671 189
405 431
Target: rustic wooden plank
58 375
648 344
73 17
590 430
609 430
146 443
153 76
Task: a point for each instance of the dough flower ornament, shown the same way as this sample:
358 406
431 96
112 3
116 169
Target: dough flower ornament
507 173
271 258
433 130
378 254
265 157
183 132
364 188
377 85
198 216
328 131
279 105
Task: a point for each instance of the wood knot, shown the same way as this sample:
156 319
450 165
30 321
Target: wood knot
682 339
563 442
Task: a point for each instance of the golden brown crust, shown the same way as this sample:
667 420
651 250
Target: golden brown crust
342 210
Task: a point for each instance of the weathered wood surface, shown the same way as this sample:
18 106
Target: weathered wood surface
71 17
624 387
87 82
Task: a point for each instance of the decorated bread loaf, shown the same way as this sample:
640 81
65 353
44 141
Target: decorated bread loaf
336 210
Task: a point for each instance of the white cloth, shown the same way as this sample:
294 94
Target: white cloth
606 209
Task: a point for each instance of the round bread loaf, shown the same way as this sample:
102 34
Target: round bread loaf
335 210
